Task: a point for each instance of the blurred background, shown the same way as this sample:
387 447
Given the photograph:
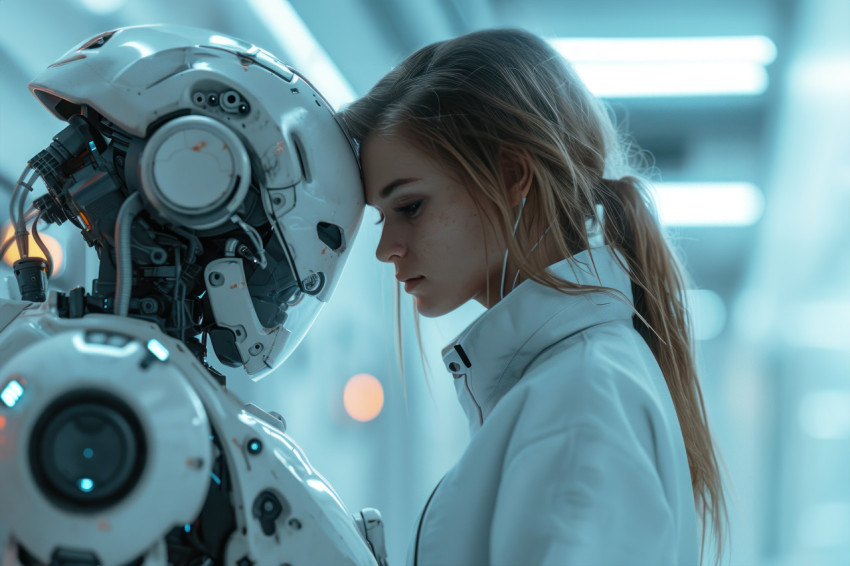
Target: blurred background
749 130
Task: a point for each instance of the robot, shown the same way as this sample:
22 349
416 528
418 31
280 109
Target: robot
222 196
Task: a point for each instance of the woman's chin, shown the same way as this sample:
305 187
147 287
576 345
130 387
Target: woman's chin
429 309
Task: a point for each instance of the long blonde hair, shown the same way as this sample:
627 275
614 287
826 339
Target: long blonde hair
470 101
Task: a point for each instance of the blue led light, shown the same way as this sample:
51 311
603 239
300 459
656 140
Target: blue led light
85 485
92 147
12 393
157 349
187 527
215 478
88 453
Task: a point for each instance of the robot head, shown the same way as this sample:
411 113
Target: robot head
217 185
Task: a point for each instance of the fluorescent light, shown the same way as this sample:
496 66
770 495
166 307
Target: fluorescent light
655 67
610 80
746 49
708 204
302 49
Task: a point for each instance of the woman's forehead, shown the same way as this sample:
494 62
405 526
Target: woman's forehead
388 161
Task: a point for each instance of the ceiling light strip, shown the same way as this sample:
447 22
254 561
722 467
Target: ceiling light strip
708 204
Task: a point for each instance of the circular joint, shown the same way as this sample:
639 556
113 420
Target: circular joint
454 367
148 305
88 451
230 101
212 99
216 279
195 171
255 349
199 98
158 256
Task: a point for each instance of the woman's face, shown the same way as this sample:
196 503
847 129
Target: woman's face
432 231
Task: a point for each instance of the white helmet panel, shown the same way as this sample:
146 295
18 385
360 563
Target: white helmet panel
207 127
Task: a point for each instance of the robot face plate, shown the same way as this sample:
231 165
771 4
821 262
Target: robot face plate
234 155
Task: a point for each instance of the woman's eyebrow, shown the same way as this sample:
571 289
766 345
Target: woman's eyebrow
387 190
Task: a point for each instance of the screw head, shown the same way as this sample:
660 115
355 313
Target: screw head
314 283
216 279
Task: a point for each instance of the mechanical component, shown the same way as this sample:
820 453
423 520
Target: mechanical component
242 205
31 273
267 508
195 172
87 450
372 528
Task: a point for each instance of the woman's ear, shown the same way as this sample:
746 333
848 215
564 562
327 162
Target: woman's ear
517 173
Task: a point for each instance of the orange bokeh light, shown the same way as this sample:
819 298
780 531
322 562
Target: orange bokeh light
363 397
51 243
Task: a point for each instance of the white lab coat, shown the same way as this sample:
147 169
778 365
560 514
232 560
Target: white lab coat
576 456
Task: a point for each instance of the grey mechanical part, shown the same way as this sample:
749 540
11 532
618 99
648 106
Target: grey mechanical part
195 171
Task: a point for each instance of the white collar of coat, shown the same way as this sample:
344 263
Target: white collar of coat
500 344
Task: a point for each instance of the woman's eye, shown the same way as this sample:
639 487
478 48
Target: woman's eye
411 210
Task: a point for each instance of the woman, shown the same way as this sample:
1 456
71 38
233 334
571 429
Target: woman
499 178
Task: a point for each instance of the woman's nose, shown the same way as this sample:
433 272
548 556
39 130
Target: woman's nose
390 248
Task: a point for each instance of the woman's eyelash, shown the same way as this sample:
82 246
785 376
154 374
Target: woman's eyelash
411 211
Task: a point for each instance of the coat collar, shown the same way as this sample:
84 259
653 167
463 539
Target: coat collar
491 355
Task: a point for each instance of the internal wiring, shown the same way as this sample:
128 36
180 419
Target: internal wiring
41 245
179 295
267 207
123 260
15 191
19 216
16 209
255 238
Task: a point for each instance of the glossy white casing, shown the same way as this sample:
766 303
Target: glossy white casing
306 162
178 403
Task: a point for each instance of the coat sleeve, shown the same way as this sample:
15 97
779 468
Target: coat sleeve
581 497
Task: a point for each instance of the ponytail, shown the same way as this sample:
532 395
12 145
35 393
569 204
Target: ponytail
658 288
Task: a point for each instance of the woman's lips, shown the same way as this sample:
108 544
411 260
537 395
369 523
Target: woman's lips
411 284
